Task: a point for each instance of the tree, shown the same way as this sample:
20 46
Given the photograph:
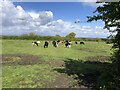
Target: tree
98 39
110 14
58 37
70 36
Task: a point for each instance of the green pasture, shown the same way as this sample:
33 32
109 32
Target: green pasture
27 66
76 51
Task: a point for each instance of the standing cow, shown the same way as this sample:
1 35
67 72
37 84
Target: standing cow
46 44
68 43
55 44
76 42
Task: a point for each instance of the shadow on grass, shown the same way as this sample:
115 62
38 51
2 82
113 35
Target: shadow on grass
87 73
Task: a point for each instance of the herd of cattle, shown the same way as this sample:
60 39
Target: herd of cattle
55 43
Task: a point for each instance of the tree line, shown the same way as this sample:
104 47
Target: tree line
70 36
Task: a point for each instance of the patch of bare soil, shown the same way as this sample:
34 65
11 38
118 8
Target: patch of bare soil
17 59
64 81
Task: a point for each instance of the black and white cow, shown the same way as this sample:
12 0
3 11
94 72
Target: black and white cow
68 43
55 44
46 44
76 42
35 43
83 43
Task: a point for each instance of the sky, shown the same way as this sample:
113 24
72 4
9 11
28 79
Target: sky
50 18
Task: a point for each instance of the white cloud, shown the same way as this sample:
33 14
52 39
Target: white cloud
41 18
16 21
34 15
92 4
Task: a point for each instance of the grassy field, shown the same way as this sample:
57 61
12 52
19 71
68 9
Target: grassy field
27 66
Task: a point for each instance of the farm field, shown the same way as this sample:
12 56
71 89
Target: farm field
27 66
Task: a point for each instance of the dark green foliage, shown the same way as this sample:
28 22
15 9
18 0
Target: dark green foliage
36 37
110 14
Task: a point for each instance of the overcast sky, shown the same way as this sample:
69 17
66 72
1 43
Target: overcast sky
50 18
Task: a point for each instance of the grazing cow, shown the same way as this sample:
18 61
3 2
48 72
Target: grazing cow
38 41
46 44
62 41
55 44
68 43
35 43
76 42
82 43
